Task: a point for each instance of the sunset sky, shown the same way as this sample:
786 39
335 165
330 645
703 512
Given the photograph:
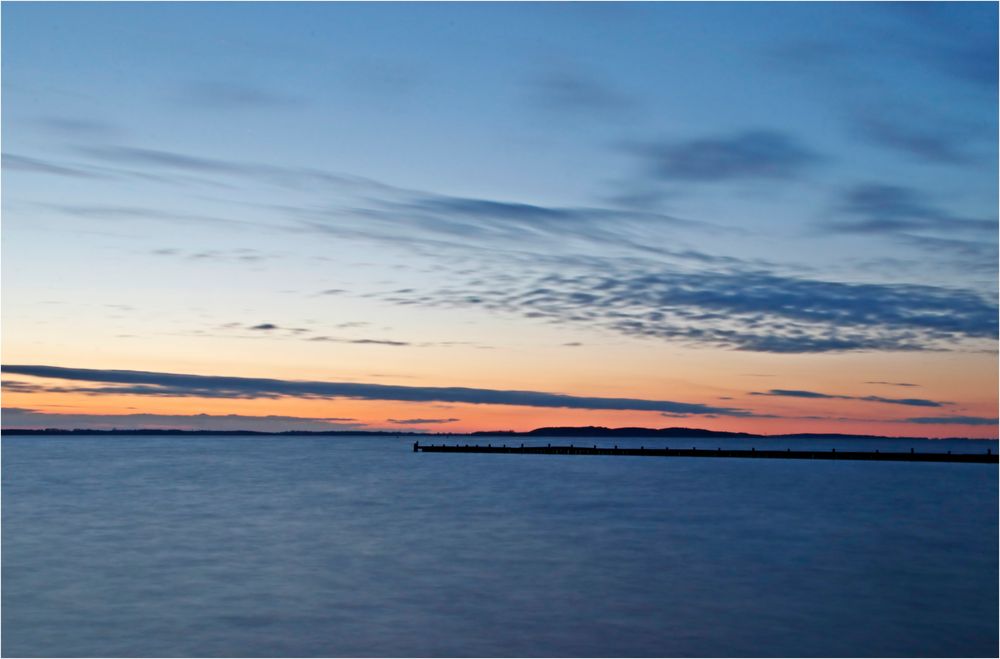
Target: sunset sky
769 218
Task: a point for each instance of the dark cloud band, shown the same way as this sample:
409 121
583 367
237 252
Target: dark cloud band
18 417
181 385
797 393
954 420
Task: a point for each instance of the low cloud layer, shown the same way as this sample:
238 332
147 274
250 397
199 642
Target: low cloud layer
147 383
751 154
954 420
19 417
797 393
419 422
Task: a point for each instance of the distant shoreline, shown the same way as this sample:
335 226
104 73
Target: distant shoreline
583 431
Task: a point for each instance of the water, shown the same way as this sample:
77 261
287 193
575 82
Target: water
304 546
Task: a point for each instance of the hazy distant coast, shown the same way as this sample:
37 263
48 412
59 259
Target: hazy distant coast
559 431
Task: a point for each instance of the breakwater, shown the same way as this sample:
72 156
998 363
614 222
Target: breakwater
987 457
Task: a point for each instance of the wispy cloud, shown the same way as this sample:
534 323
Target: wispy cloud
892 384
797 393
240 255
417 422
959 44
377 342
575 92
954 420
226 95
751 154
175 384
77 127
14 162
372 210
112 212
630 271
879 208
148 161
440 221
937 141
16 386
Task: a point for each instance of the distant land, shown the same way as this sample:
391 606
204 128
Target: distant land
565 431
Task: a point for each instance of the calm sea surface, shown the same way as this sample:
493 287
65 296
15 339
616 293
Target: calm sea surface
303 546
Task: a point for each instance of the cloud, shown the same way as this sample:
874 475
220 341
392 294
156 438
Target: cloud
752 154
879 208
939 141
892 384
564 92
679 294
378 342
110 212
371 210
15 386
415 422
954 420
76 127
966 256
223 95
738 308
796 393
264 327
958 40
441 221
13 162
196 168
175 384
16 417
241 255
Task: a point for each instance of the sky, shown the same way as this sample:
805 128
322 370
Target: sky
449 217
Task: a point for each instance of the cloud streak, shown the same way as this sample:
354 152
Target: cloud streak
14 162
748 155
417 422
878 208
954 420
936 142
797 393
17 417
566 92
223 95
199 386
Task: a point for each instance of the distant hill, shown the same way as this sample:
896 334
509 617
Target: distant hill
601 431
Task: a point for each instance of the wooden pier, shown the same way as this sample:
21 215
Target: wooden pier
988 457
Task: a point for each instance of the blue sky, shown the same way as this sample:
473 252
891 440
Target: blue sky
503 188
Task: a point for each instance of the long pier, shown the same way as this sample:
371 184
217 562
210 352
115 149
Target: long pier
833 454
